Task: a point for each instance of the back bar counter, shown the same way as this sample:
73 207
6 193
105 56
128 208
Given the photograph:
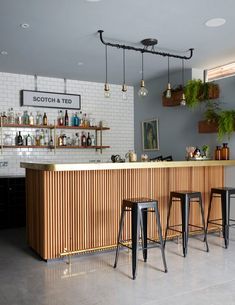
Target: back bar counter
73 208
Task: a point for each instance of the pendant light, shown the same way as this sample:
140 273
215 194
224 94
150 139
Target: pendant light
107 93
142 91
183 99
124 86
168 89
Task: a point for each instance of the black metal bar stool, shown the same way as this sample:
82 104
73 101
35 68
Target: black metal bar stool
185 199
139 208
225 194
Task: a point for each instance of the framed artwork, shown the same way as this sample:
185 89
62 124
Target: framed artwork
150 137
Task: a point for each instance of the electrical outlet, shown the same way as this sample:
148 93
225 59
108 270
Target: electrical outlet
3 163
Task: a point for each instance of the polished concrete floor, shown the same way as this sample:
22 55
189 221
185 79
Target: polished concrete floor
201 278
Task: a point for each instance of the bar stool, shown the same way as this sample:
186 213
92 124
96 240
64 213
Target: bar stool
185 199
139 208
225 194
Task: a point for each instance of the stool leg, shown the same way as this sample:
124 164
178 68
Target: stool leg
209 212
119 236
185 215
144 232
160 236
203 223
135 232
168 219
225 202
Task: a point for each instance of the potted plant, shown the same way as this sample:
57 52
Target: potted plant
226 123
193 92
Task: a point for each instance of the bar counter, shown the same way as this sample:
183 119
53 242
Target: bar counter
73 208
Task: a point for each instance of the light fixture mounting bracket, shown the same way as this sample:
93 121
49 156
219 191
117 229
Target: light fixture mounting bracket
150 42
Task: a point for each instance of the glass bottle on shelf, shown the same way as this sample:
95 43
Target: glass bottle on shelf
66 118
26 118
42 142
72 119
64 140
31 119
92 140
60 120
83 139
80 119
78 139
51 143
225 152
46 138
218 153
76 120
11 116
19 141
60 139
37 137
4 118
44 119
88 140
7 140
29 141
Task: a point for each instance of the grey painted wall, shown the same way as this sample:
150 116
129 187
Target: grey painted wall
177 125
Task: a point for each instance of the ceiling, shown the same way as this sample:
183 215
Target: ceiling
63 33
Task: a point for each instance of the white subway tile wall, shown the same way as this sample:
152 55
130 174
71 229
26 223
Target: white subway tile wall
117 113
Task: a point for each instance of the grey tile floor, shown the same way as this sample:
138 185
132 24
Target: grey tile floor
201 278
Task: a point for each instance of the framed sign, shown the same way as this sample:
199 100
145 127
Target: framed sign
50 99
150 136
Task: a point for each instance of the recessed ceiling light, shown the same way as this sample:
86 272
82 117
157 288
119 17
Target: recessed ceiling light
93 0
215 22
80 63
24 25
3 52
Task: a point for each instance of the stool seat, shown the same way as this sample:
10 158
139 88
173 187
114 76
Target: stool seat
139 208
184 197
225 194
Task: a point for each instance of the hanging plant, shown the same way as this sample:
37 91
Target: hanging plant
193 92
226 123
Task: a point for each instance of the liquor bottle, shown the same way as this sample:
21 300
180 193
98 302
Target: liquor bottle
11 116
225 152
88 140
60 118
26 118
37 137
31 119
83 139
29 141
42 142
60 139
44 119
81 119
76 120
64 140
66 118
92 140
218 153
72 119
77 139
46 138
51 142
4 118
19 140
38 121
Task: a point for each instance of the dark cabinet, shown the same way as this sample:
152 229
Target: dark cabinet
12 202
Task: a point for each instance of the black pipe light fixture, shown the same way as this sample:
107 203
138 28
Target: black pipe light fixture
143 91
107 92
183 99
124 86
168 89
149 45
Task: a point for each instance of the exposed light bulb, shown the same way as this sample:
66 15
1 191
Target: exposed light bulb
183 100
107 92
124 92
168 91
142 91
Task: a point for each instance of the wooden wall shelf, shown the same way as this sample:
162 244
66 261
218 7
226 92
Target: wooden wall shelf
207 127
176 97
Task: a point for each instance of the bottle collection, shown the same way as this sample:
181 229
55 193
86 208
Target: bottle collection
78 119
222 153
43 136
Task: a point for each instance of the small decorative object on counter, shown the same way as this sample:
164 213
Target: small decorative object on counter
218 153
189 152
225 152
197 152
131 155
144 157
206 151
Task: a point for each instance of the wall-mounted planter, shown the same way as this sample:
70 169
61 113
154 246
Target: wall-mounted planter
207 127
176 97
